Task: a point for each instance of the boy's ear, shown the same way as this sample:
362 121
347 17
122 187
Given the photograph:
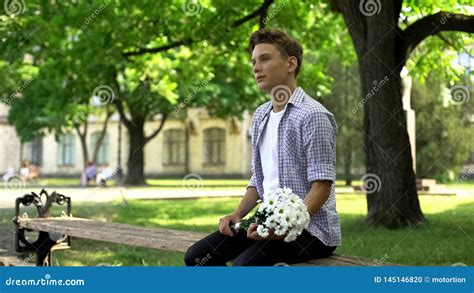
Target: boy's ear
292 64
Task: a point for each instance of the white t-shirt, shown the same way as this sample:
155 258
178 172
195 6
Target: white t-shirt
268 147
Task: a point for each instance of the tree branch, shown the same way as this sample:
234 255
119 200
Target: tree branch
155 133
355 21
118 103
262 11
142 51
434 24
397 5
123 117
77 126
102 133
448 42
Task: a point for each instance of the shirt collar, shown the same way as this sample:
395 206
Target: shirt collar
296 99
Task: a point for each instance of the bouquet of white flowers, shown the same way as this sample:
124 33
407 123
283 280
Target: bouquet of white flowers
281 210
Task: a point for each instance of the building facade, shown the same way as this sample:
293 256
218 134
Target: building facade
200 144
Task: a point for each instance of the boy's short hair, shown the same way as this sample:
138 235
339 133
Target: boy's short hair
283 41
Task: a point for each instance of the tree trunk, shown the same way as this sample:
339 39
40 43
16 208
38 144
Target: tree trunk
348 166
137 141
186 155
390 183
347 150
22 146
83 140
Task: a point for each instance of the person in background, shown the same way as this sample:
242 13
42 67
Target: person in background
9 174
89 174
106 173
25 170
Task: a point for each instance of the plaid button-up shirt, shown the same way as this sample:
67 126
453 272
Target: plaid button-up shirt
306 152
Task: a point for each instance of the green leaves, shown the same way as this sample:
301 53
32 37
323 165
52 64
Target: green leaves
77 46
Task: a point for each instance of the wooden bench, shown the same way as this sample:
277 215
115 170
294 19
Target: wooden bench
11 259
56 232
157 238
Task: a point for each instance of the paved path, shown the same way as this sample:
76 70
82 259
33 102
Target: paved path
95 194
92 194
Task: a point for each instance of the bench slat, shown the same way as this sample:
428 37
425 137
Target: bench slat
344 260
117 233
331 261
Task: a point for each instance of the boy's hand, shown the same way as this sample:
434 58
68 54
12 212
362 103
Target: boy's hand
225 222
253 234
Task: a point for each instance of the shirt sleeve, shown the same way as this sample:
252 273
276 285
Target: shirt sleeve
253 181
320 147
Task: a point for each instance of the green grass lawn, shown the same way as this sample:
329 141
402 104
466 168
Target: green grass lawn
445 239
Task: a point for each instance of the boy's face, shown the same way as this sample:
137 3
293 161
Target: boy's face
270 67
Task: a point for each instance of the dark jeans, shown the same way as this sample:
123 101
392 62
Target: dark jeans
217 249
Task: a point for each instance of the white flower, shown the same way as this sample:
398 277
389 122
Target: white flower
287 190
271 221
262 231
269 195
283 211
280 231
292 235
280 208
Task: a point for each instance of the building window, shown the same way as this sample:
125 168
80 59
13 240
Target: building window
34 151
66 150
103 153
214 146
174 147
